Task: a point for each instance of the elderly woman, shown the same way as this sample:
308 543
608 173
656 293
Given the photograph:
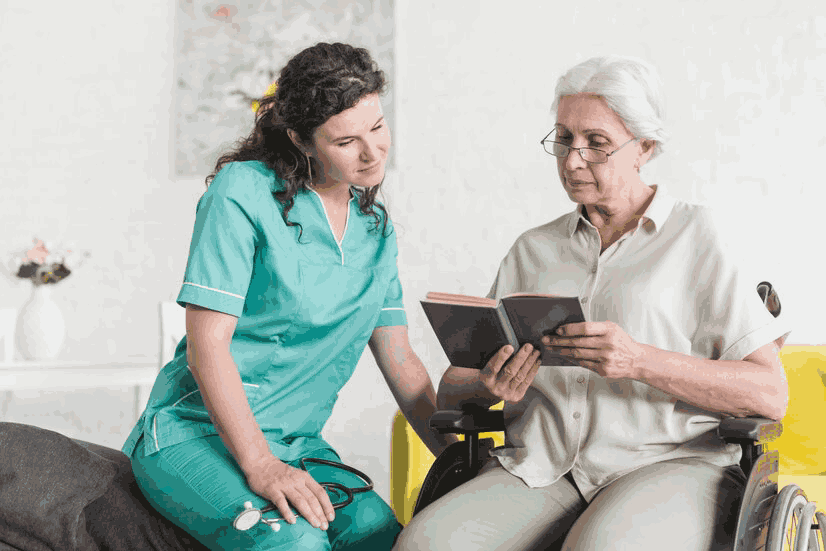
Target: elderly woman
620 451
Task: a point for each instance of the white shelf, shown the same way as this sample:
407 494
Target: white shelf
74 375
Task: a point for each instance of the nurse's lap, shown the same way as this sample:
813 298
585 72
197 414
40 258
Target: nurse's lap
198 485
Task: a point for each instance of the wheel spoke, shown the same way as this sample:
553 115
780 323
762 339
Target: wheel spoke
791 532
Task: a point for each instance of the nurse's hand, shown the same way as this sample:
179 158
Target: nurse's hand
603 347
282 484
509 379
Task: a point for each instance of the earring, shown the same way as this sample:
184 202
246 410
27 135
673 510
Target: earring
309 167
637 167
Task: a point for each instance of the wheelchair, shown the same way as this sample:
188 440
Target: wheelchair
768 519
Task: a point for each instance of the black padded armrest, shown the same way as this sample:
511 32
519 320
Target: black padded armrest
756 429
468 421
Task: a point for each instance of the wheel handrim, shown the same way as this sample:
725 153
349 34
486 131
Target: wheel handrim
785 518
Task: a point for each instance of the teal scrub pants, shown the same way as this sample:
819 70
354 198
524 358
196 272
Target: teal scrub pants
197 485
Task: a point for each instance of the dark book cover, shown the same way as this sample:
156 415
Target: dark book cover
472 329
469 335
533 317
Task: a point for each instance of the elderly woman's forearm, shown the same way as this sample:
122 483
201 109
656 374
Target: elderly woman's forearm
752 386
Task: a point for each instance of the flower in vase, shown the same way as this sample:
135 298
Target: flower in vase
44 265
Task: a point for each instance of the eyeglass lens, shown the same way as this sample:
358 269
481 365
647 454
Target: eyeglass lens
561 150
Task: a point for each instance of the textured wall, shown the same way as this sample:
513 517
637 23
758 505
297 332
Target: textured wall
87 122
228 54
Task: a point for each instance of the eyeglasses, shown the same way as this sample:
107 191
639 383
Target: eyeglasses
588 154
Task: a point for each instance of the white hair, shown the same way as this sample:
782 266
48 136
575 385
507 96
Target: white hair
630 86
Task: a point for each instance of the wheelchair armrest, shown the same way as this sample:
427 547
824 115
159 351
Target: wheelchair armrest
752 429
468 420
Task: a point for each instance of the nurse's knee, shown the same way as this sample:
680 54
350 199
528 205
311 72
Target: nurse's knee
300 536
374 526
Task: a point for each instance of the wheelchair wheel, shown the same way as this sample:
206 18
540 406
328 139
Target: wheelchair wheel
785 520
448 472
821 530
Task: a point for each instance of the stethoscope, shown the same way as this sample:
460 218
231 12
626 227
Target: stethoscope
251 516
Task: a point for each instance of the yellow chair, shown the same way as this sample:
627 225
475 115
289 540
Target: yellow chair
409 462
802 445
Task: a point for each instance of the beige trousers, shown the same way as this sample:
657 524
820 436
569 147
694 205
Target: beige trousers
678 505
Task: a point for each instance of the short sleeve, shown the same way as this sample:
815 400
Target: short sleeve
223 244
733 321
392 311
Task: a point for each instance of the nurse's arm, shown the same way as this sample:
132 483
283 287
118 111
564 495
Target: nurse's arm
409 382
208 337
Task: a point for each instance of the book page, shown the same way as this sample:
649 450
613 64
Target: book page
467 300
540 295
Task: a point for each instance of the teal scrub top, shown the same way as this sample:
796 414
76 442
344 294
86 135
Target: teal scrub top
306 309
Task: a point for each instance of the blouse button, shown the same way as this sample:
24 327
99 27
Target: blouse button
576 415
584 300
580 380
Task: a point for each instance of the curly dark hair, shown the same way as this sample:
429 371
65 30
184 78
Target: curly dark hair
316 84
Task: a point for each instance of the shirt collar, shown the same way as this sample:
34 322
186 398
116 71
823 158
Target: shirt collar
656 213
660 208
277 184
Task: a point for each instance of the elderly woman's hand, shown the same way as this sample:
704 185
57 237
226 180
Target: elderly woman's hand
509 379
602 347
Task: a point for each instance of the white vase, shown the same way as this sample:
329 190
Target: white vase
40 326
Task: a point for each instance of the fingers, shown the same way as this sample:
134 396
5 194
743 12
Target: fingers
509 380
296 488
494 365
520 385
585 329
497 361
280 501
516 370
307 505
323 498
580 354
572 342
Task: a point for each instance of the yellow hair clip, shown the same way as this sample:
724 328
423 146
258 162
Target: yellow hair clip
270 91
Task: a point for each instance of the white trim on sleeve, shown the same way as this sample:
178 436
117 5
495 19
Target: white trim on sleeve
155 432
211 289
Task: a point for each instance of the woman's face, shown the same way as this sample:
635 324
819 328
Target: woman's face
587 121
352 146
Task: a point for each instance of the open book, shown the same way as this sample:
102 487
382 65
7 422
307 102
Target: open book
472 329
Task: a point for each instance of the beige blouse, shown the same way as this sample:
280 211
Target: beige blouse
669 283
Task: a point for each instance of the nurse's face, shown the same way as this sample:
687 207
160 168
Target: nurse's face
352 146
586 121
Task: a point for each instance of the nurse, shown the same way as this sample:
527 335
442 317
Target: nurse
291 274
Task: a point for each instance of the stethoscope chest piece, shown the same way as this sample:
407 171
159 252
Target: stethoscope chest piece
251 516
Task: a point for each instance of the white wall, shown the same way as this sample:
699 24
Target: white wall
86 125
